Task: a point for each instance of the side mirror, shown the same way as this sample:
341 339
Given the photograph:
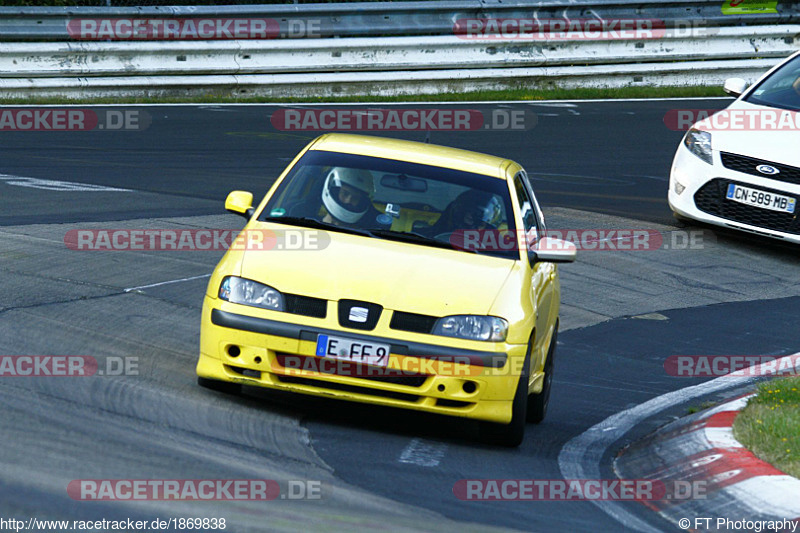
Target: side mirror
550 250
240 203
734 86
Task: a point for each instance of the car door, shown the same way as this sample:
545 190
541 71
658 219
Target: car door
542 273
551 298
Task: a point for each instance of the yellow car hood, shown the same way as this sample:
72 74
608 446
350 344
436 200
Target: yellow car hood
397 275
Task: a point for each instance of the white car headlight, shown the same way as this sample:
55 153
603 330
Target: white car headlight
474 327
247 292
699 143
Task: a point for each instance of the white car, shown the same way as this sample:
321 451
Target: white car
740 167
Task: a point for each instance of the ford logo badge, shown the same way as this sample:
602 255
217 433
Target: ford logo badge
769 170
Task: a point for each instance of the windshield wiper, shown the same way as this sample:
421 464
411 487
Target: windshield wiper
316 224
410 236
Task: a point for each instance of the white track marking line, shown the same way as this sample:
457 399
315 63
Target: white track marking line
57 185
475 102
423 453
580 457
166 283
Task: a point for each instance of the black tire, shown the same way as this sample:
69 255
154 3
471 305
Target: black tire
537 403
511 434
219 386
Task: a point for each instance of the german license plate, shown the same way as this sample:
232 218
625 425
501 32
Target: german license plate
358 351
762 199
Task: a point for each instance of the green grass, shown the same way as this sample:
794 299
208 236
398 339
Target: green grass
702 407
770 424
511 94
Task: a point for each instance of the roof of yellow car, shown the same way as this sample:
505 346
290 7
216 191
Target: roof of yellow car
415 152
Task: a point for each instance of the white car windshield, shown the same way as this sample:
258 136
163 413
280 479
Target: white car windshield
781 89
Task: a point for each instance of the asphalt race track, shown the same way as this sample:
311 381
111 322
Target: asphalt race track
593 165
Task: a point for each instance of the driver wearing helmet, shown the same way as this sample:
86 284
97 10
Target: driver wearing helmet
347 197
471 210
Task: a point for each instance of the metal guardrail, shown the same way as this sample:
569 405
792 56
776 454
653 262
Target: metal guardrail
388 48
388 83
97 59
393 18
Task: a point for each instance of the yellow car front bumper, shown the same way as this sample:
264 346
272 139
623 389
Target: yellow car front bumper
257 347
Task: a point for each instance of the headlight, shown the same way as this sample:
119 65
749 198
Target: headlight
699 143
248 292
479 328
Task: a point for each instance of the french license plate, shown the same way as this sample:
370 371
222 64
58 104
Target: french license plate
358 351
762 199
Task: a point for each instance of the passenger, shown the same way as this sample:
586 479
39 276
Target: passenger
471 210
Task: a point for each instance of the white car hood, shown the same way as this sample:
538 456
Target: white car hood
782 146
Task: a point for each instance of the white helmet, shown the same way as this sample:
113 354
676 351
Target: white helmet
358 179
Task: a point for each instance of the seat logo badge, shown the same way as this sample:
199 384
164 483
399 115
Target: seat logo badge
358 314
769 170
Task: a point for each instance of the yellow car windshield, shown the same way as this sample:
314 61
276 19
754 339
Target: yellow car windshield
388 198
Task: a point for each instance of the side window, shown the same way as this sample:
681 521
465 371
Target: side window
530 223
539 215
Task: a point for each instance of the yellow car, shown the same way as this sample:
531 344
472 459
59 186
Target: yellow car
395 273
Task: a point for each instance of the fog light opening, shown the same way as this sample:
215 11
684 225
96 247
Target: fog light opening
234 351
440 388
469 387
679 187
257 359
